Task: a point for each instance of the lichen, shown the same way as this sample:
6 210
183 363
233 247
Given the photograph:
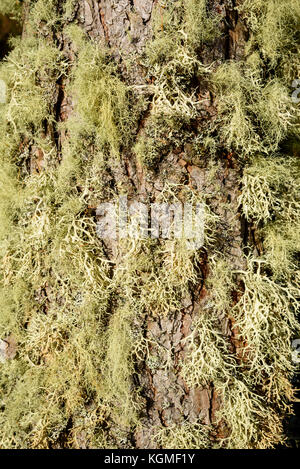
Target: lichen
13 8
187 435
75 314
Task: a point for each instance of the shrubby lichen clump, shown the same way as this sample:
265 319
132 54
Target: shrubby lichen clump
256 115
74 313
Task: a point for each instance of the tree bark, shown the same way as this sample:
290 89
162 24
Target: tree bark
125 28
167 399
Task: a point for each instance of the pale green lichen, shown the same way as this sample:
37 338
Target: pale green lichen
174 69
187 435
74 314
275 27
104 107
13 8
255 116
270 188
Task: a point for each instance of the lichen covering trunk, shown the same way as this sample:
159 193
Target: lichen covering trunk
148 343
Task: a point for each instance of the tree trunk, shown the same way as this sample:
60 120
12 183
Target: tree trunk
148 343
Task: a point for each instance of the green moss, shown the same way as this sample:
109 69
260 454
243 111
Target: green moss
69 8
55 317
220 282
160 135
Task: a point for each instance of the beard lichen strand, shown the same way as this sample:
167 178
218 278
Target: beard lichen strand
13 8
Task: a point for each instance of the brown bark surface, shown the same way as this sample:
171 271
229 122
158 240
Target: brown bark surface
125 27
